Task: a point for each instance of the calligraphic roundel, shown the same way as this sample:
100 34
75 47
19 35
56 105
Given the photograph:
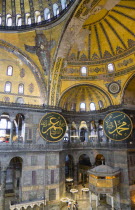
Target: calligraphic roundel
52 127
117 126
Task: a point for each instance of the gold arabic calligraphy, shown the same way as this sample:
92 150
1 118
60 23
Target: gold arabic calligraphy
119 128
55 127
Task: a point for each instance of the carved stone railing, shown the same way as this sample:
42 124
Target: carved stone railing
43 107
28 106
19 206
7 147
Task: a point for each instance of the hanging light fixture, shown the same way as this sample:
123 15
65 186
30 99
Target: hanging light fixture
73 190
69 179
64 200
85 189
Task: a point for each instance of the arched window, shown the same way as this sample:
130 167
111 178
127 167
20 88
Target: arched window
47 14
63 4
27 19
82 106
83 71
18 20
0 19
19 127
20 100
8 87
9 70
55 9
92 106
73 106
5 126
9 20
21 89
37 17
100 103
110 67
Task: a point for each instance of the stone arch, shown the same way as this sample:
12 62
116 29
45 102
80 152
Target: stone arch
127 83
13 176
29 62
84 159
84 165
99 159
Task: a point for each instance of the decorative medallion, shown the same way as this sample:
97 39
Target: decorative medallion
6 99
31 88
22 73
117 126
52 127
114 87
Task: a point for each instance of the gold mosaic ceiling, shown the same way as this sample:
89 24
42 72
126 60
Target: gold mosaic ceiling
85 94
101 30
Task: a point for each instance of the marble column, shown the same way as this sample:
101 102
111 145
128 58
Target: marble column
11 130
3 187
97 201
112 202
90 194
75 174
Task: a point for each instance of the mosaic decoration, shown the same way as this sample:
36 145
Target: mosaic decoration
95 56
52 127
97 61
83 57
114 88
107 54
72 57
22 73
131 43
119 50
125 62
42 50
117 126
97 70
31 88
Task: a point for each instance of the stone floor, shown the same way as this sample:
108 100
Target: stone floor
83 201
81 197
85 205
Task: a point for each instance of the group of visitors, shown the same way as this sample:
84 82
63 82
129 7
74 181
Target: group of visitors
74 206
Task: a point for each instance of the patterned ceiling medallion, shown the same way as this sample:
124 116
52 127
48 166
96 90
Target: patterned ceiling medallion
114 87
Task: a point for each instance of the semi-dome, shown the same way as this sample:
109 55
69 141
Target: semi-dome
87 95
104 30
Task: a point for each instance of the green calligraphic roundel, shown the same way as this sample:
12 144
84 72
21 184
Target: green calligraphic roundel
52 127
117 126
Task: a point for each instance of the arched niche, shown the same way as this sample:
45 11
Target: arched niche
99 160
19 58
84 165
83 94
13 177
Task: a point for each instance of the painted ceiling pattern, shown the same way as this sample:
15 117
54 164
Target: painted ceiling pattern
100 30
